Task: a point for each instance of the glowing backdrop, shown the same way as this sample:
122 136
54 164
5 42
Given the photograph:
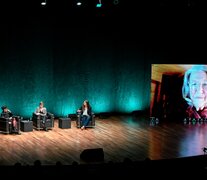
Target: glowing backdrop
62 66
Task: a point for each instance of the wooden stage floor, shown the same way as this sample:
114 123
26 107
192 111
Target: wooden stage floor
120 137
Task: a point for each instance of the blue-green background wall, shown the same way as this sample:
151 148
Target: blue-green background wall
63 65
62 57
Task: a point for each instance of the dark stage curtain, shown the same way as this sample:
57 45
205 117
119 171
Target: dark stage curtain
63 66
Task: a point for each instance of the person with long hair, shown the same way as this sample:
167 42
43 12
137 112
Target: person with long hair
85 112
194 91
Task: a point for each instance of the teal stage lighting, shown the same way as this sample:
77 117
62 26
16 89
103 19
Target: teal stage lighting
99 4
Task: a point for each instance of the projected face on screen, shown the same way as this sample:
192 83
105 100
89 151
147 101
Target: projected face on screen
194 91
178 91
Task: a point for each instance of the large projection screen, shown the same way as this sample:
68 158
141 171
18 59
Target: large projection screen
178 91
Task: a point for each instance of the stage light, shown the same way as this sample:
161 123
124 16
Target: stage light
154 121
44 2
194 121
79 3
185 120
201 122
98 5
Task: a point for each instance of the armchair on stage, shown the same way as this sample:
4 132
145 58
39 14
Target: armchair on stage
43 122
6 125
79 121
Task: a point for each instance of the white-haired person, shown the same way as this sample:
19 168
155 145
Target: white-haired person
194 91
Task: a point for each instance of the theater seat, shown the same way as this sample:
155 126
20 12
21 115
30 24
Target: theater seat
6 125
39 123
79 121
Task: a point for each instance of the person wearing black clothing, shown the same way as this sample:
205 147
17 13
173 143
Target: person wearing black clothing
6 113
86 113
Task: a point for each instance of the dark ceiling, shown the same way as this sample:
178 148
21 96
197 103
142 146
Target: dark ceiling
109 7
152 13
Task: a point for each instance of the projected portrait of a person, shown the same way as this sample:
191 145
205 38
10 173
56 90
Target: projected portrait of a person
194 91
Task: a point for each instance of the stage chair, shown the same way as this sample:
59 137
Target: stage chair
6 125
39 124
79 121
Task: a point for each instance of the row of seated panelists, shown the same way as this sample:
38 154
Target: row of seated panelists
7 127
79 120
38 121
